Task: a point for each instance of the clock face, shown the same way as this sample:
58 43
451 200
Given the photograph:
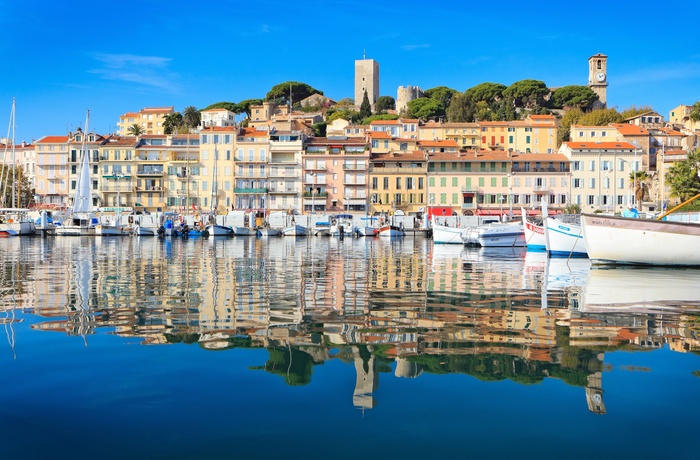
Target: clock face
600 76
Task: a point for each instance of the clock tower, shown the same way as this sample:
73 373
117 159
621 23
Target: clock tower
598 77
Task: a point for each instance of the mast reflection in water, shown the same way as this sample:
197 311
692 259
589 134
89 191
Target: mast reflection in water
443 349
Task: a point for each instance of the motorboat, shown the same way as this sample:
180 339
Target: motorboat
295 230
507 234
445 234
391 231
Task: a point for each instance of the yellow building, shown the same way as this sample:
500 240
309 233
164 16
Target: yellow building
466 135
397 182
51 158
150 119
216 155
252 149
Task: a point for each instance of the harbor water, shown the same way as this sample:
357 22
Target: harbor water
344 348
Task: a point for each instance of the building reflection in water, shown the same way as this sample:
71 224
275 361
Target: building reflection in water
492 314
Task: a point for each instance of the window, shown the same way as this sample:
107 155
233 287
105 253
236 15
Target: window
591 165
386 183
374 183
576 183
591 182
590 199
398 183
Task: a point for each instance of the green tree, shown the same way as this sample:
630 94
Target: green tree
425 108
172 122
634 111
640 183
459 109
230 106
381 116
384 104
526 93
695 112
351 115
442 94
365 107
191 116
600 117
15 181
319 129
573 96
280 93
571 117
487 92
136 130
682 177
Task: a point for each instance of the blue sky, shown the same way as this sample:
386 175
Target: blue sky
61 58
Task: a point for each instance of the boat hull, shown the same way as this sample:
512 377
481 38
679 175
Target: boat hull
495 235
391 231
534 235
367 231
245 231
621 240
219 230
564 238
75 230
447 235
295 230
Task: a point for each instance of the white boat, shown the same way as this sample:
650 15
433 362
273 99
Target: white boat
564 236
82 221
391 231
507 234
219 230
623 240
244 231
142 230
267 231
16 221
321 228
143 224
443 234
367 231
534 230
629 290
111 227
295 230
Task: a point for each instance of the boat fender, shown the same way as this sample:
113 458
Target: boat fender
131 220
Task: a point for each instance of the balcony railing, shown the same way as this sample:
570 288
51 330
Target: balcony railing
150 172
250 190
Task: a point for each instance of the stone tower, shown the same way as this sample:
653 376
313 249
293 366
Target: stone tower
406 94
598 77
366 78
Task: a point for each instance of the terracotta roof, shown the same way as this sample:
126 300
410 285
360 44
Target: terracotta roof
399 156
223 128
385 122
326 141
471 155
627 129
52 140
379 135
439 143
600 145
252 132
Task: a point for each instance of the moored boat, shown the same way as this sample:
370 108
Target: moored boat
444 234
391 231
16 221
624 240
295 230
534 230
508 234
564 236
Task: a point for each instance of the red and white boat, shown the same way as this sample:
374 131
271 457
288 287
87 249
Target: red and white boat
391 231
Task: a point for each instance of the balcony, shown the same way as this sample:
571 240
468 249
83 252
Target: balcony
541 189
150 188
249 191
354 183
317 194
159 171
282 191
468 206
355 167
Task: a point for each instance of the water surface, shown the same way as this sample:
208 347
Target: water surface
327 348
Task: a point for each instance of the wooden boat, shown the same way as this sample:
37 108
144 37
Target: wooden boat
534 230
623 240
564 236
444 234
391 231
108 227
244 231
219 230
295 230
367 231
267 232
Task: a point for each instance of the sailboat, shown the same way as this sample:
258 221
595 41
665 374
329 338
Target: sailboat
82 221
214 229
13 221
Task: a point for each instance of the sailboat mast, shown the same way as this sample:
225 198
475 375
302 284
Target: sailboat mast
14 162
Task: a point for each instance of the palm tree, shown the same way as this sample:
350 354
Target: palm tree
639 182
172 122
191 116
136 130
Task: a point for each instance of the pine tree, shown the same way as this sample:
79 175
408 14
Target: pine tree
365 107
